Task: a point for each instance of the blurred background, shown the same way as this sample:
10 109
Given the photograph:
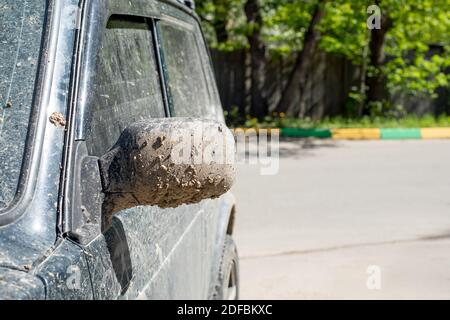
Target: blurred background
318 60
341 219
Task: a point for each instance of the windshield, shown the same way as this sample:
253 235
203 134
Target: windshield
21 25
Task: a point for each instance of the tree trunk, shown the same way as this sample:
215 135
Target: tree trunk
220 20
258 103
362 79
292 96
376 84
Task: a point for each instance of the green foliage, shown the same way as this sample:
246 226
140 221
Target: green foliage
231 12
344 29
418 46
285 24
233 118
354 102
417 43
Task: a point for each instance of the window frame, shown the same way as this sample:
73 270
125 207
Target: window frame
153 43
96 16
93 19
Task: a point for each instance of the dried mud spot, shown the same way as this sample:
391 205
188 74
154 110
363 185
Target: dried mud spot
57 119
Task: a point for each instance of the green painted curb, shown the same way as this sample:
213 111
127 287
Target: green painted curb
305 133
399 134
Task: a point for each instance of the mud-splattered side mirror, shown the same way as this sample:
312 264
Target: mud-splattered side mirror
167 162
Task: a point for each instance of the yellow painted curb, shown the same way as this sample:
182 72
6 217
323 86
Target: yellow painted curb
435 133
356 134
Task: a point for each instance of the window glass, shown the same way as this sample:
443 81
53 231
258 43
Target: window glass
188 90
210 78
127 84
21 28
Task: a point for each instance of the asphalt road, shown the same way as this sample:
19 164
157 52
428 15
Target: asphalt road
343 219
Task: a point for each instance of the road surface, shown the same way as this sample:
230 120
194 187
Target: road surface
347 219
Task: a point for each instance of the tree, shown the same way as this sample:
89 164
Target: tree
224 23
376 83
418 46
258 106
292 95
408 54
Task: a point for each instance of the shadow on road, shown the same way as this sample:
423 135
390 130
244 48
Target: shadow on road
297 148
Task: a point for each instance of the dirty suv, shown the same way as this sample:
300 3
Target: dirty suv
115 162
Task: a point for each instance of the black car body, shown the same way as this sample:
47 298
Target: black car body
103 64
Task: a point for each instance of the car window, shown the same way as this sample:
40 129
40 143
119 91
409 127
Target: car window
216 104
21 28
127 85
188 90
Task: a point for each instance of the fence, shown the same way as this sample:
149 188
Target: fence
330 79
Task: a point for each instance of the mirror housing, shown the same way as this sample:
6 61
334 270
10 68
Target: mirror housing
167 162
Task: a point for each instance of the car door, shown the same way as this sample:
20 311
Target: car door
147 252
192 93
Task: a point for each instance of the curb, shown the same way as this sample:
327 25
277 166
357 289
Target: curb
358 133
435 133
306 133
400 134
